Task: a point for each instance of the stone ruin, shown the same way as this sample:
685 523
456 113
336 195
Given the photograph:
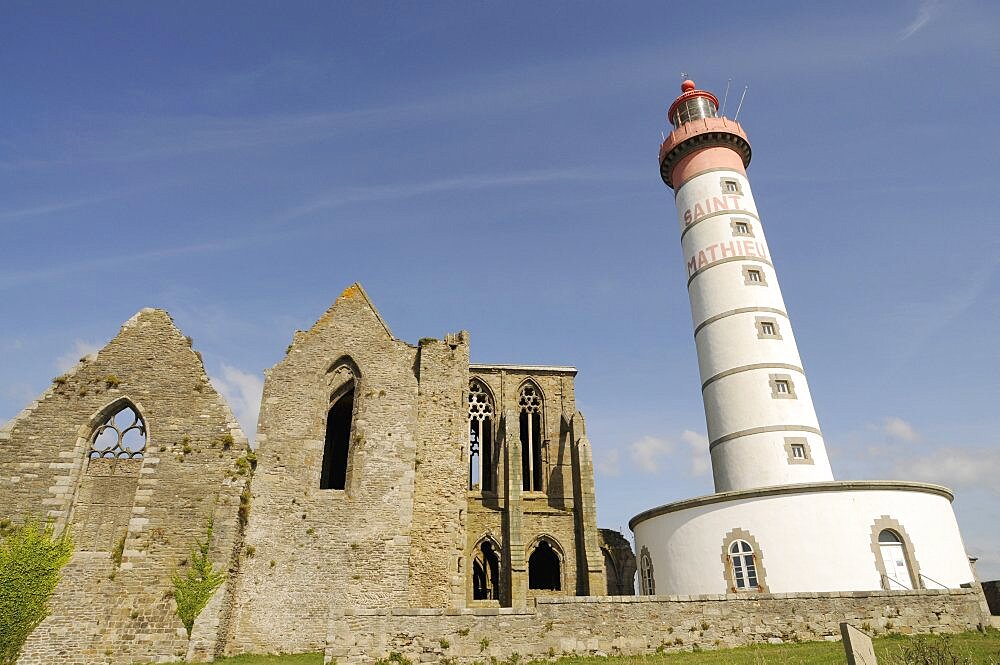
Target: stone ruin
399 498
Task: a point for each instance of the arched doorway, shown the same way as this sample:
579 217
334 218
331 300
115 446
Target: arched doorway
893 553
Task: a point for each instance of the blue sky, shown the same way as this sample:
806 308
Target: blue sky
492 167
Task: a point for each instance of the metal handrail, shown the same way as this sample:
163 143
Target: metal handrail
929 579
889 577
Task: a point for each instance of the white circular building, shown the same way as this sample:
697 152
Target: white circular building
778 522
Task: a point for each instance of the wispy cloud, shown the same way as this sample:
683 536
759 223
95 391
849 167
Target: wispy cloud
608 463
650 454
925 12
20 393
80 349
242 390
49 208
899 429
954 466
474 182
965 293
701 461
18 278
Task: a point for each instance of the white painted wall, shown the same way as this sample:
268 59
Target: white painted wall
809 541
743 400
745 456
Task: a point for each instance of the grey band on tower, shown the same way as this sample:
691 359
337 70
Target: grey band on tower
762 426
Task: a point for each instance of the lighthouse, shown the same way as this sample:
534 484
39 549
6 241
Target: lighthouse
778 521
762 426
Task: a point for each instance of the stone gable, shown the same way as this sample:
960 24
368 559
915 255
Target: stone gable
134 520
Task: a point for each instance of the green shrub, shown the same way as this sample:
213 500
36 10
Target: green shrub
119 551
923 650
193 590
30 559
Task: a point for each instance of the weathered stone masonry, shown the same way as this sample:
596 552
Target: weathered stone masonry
364 526
403 531
638 625
148 511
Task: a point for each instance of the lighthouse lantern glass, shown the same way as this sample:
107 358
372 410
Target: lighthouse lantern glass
693 109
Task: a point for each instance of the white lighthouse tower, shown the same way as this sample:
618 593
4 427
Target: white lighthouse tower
778 521
762 427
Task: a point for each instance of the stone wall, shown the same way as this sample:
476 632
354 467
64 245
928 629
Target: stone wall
619 562
298 549
440 506
316 549
639 625
564 511
133 521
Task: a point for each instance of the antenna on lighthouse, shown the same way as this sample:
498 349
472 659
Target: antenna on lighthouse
726 97
740 106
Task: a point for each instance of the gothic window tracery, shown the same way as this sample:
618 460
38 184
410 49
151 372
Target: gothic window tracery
530 405
481 411
122 436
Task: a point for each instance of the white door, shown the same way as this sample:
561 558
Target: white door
895 565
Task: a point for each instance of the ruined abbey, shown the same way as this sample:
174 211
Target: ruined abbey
387 475
398 499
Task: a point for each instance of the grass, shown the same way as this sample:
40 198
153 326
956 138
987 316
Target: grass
891 649
284 659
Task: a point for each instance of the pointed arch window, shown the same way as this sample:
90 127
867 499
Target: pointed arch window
339 423
122 436
530 405
486 571
544 569
480 437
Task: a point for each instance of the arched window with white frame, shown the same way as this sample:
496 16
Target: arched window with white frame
647 585
743 565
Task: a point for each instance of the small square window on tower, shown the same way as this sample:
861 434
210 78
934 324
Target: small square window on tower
782 386
797 449
753 276
731 186
767 328
741 227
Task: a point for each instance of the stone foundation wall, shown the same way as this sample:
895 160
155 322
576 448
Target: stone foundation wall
638 625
